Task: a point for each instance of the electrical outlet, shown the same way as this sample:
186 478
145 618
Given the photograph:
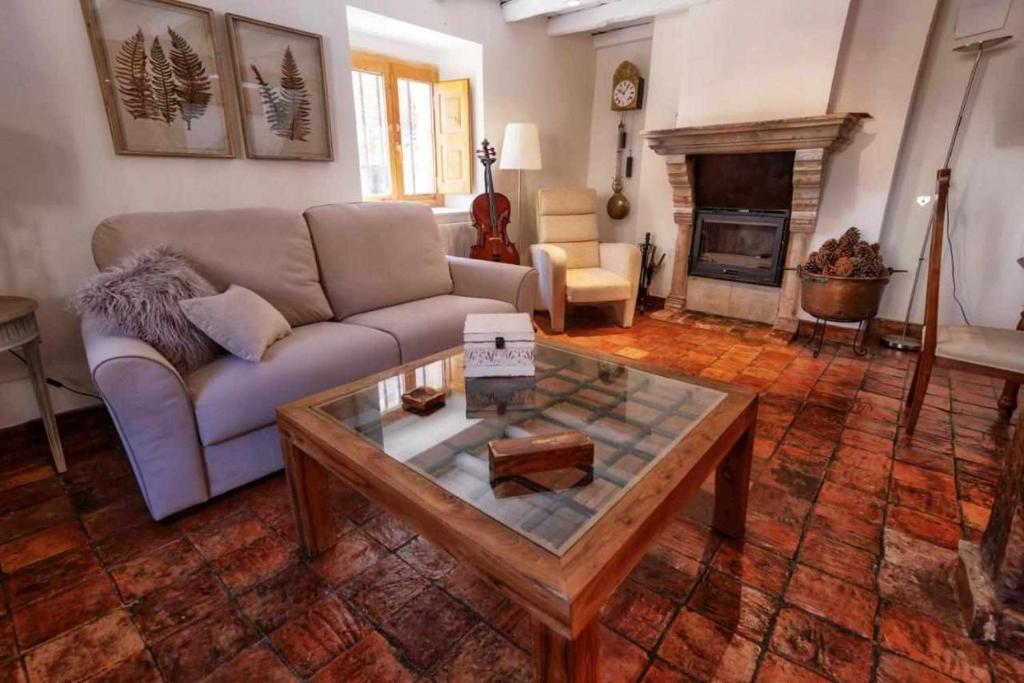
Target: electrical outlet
924 200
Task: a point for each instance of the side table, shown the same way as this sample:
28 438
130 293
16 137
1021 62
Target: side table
18 329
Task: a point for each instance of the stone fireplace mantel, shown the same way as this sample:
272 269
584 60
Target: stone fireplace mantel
811 138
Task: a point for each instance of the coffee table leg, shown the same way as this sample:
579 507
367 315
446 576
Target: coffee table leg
732 486
562 660
308 482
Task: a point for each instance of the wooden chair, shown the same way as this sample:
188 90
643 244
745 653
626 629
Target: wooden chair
983 350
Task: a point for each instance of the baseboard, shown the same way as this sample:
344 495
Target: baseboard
654 303
877 328
67 420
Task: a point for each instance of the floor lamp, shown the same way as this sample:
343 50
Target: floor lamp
900 341
520 151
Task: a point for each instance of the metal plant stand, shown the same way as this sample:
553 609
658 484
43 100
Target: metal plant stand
821 325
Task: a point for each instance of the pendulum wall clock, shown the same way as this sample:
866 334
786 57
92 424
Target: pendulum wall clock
627 95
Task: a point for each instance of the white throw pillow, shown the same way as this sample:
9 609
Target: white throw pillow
239 319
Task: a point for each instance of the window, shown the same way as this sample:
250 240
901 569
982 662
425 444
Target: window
413 132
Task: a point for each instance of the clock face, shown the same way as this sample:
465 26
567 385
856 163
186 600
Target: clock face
624 94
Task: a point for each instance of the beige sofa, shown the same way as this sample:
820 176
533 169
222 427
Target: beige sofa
574 267
365 286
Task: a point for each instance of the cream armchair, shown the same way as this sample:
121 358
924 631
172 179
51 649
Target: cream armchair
574 267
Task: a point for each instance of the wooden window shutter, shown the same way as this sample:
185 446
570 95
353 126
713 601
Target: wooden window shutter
453 137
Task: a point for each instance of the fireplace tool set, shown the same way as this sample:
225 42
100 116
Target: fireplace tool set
648 269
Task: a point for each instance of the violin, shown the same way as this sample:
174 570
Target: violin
491 212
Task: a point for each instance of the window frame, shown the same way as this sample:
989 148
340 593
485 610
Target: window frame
391 69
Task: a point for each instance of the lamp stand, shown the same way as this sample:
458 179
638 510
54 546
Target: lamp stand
519 208
900 342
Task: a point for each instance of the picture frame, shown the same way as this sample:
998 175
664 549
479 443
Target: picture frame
281 81
159 69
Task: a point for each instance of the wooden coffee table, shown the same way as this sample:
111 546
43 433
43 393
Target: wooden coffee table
557 543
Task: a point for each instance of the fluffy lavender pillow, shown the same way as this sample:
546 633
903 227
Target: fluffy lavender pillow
140 297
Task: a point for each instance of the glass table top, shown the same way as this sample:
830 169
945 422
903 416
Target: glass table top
633 417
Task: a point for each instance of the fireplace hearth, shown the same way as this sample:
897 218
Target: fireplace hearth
740 245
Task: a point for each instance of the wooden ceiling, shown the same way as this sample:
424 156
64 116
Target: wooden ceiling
590 16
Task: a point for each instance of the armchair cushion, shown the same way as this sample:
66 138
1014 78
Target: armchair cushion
580 254
567 218
988 346
592 285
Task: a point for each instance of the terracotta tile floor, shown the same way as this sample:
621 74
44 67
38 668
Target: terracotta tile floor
844 575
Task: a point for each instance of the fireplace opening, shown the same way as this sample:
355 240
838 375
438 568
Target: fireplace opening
739 245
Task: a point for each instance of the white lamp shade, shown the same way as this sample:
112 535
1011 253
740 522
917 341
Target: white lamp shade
520 150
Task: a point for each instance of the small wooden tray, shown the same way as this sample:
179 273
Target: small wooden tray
540 453
423 399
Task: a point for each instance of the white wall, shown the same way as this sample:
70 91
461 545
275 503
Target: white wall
722 61
653 203
873 68
752 61
877 72
988 174
60 176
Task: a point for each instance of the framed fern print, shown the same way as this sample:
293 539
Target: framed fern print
160 76
282 91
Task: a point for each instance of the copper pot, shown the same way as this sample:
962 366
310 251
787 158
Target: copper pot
841 299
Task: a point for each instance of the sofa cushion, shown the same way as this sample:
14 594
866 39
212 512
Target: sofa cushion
233 396
588 285
240 320
429 325
378 254
266 250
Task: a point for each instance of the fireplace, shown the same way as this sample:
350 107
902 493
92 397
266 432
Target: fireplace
739 245
770 174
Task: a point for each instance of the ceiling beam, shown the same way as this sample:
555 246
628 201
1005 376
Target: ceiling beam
518 10
612 14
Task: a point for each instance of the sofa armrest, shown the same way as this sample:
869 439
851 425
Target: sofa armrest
550 262
489 280
622 259
152 409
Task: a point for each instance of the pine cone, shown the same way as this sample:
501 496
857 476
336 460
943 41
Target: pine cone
850 238
848 242
813 264
828 249
864 251
844 266
868 261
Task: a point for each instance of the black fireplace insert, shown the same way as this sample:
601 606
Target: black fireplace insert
740 245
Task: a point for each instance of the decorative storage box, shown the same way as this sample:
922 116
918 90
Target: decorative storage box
498 345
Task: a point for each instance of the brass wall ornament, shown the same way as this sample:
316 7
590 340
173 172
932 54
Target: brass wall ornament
618 204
